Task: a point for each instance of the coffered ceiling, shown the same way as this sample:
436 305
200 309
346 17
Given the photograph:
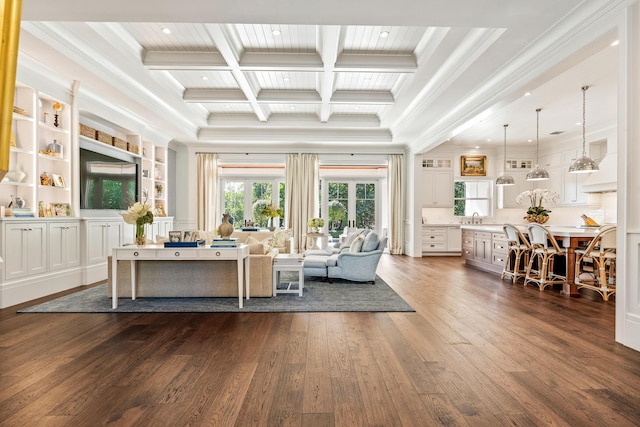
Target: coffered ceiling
370 76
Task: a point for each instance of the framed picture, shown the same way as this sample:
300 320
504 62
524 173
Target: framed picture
473 165
175 236
145 173
61 209
58 181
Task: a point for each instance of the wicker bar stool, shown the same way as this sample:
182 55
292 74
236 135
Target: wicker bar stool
515 264
601 253
545 250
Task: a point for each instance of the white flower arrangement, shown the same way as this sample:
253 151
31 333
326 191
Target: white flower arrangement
139 213
315 222
536 198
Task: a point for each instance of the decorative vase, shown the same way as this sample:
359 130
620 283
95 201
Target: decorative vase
226 228
270 225
141 238
540 219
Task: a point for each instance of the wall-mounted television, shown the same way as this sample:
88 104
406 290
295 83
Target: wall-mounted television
109 179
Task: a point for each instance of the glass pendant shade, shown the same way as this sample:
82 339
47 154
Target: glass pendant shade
504 179
584 164
537 173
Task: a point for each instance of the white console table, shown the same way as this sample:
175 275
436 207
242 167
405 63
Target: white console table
160 253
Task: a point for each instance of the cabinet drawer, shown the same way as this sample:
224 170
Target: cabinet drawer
482 235
467 252
434 247
498 259
498 236
433 237
500 246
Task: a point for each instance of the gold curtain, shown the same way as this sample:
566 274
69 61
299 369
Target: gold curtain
11 11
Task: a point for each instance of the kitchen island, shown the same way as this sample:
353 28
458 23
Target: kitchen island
485 247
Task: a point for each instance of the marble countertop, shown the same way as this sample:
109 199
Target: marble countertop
557 230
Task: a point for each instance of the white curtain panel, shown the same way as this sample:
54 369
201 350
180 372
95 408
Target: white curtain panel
207 191
396 204
302 189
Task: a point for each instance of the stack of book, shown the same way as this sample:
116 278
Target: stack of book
22 212
231 242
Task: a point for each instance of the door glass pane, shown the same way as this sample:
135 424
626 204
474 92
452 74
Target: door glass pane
234 202
260 198
366 206
338 207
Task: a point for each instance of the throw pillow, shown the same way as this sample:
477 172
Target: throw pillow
255 246
356 246
268 244
349 239
281 237
371 242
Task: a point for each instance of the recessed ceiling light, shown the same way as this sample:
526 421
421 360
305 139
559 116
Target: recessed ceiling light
204 78
488 140
578 123
615 43
286 79
228 106
477 146
527 93
384 34
529 140
293 107
275 32
166 30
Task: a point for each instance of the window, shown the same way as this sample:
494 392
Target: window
472 196
245 199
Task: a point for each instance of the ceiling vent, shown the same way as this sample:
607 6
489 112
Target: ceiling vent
558 132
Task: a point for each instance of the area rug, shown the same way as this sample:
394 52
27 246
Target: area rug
318 296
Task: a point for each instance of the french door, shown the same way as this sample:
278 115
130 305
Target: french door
350 203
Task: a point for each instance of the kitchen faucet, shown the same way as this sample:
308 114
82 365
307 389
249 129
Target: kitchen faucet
473 218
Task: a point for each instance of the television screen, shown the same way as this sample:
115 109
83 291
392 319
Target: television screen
106 181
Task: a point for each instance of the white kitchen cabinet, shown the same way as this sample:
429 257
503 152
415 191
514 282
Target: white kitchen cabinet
437 189
507 194
64 245
441 240
24 249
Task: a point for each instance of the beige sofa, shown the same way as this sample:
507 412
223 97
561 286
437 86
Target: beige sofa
201 279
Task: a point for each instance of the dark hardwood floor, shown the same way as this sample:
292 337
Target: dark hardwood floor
478 351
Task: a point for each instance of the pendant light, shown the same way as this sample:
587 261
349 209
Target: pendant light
537 173
584 164
504 179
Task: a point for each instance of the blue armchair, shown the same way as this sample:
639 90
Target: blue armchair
358 264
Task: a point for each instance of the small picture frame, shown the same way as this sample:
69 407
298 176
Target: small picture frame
61 209
58 181
175 236
473 165
145 173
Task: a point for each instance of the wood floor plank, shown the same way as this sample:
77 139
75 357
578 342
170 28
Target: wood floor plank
477 351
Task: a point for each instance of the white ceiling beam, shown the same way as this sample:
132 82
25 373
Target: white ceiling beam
224 46
269 61
363 97
329 44
214 95
289 96
294 120
159 60
249 135
376 63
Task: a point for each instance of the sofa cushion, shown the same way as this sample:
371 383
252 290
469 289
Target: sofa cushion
371 242
356 246
349 239
281 237
315 261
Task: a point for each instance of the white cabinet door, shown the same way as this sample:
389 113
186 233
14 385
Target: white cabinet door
438 189
25 249
64 245
102 237
510 192
454 237
572 193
